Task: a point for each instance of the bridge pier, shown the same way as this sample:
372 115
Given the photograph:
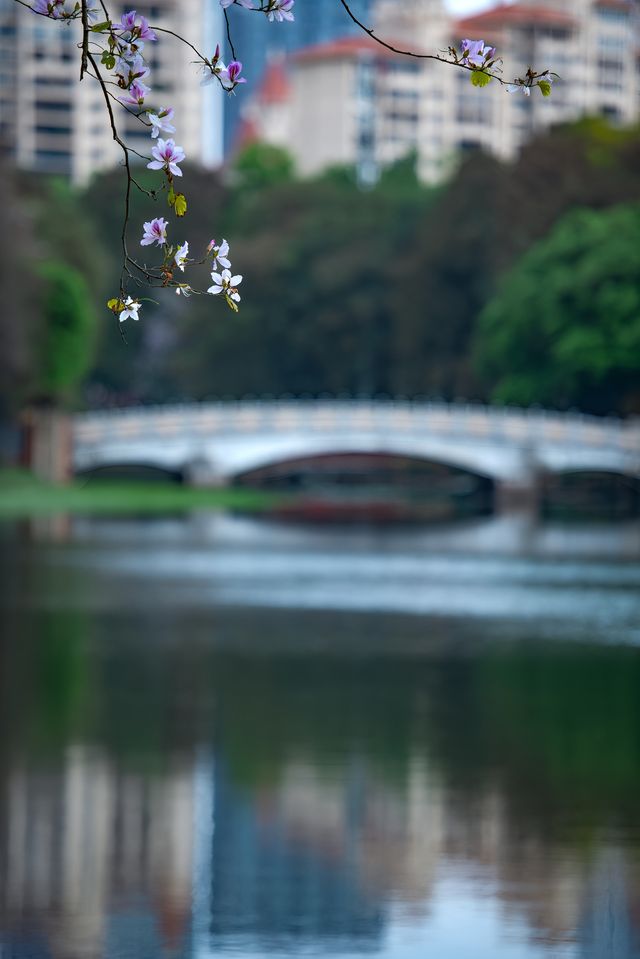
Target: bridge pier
518 497
523 491
202 472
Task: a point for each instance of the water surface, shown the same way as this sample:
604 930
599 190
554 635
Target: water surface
228 737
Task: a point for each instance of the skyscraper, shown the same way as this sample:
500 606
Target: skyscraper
51 123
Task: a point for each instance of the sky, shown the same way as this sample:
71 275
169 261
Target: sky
469 6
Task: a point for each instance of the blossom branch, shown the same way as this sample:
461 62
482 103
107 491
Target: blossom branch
118 47
412 53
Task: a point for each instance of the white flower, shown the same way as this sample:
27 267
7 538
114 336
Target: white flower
161 121
130 309
220 255
181 255
213 72
227 284
183 290
279 10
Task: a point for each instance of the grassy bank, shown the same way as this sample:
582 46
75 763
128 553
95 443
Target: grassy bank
21 494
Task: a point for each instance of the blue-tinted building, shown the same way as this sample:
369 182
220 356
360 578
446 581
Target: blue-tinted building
256 40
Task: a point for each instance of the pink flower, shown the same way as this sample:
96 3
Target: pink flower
49 8
127 22
134 30
144 30
475 54
135 94
155 231
231 76
166 157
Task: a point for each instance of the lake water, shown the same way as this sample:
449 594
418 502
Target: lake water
222 736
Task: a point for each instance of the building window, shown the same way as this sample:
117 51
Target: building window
613 15
610 112
60 106
610 66
56 131
469 146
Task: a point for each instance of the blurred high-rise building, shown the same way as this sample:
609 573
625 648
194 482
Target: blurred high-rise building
351 101
51 123
256 42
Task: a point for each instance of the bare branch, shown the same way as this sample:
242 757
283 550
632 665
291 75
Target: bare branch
84 59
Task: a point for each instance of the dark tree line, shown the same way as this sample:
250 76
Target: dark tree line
402 289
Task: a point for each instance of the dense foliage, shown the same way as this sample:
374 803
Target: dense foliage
370 292
49 316
565 325
67 345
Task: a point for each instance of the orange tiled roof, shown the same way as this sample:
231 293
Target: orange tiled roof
622 5
506 14
345 48
275 86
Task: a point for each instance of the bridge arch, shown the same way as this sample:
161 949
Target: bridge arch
605 492
354 462
484 462
131 469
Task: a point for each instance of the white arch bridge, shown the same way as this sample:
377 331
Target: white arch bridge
212 443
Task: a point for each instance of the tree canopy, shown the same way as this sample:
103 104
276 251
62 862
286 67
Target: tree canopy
564 329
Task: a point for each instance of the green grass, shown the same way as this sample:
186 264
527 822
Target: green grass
21 494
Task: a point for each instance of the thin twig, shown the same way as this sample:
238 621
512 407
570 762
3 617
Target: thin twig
226 20
412 53
182 39
125 152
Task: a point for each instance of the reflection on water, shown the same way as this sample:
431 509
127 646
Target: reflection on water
208 747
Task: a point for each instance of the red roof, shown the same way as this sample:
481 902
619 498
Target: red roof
275 86
345 48
246 134
506 15
621 5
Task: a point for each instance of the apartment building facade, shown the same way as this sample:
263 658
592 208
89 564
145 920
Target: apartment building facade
51 123
352 102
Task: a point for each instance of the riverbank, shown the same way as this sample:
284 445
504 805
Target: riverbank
21 494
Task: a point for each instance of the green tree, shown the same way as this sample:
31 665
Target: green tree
66 347
261 165
564 329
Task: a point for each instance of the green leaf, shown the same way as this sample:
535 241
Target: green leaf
180 204
171 196
480 79
108 59
230 303
545 88
99 27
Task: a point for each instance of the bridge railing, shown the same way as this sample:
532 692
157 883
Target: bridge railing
355 415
